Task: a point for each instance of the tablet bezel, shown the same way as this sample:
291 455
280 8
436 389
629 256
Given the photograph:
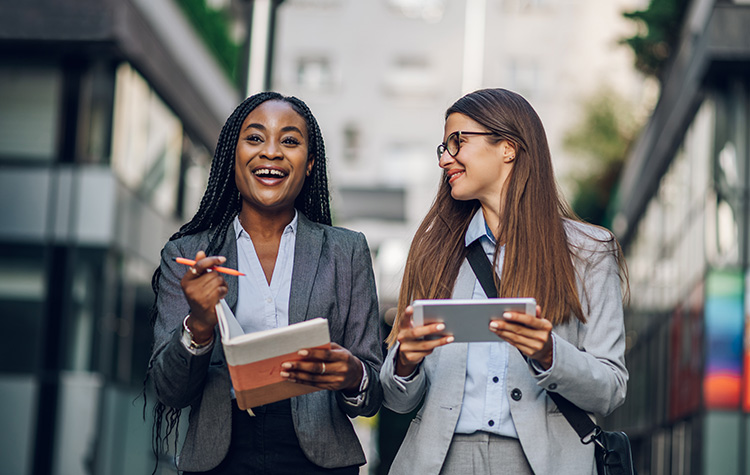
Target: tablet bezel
468 320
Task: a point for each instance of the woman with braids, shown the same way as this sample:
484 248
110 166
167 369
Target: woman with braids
485 406
266 212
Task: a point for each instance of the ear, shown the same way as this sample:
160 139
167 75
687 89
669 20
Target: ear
508 151
310 163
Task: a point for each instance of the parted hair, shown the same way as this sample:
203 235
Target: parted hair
221 202
538 258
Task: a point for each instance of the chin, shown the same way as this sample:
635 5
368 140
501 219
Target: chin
458 196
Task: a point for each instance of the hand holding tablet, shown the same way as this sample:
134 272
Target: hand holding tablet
468 320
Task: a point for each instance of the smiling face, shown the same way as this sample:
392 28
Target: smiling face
271 159
480 168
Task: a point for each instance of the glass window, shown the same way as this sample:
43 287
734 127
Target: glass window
29 111
23 292
314 73
146 141
430 11
372 203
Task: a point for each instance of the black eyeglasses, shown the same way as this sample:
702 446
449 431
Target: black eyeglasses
453 144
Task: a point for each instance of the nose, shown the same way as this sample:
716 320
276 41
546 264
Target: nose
272 150
445 159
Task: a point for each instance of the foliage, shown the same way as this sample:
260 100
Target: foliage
659 32
601 139
214 28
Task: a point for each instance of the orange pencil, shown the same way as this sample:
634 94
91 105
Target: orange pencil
223 270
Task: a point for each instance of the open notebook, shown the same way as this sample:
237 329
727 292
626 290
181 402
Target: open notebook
255 359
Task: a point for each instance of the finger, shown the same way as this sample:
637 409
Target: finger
424 345
422 331
530 321
322 354
204 264
204 286
319 381
405 320
528 344
311 367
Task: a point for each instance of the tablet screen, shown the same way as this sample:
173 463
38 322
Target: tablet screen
469 320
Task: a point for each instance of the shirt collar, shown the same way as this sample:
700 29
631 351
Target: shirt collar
239 230
478 228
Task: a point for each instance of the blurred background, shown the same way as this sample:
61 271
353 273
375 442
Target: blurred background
110 110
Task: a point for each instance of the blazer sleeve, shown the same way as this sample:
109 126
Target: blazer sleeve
401 395
362 334
592 374
178 375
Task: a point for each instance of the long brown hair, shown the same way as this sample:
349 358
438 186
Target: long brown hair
538 259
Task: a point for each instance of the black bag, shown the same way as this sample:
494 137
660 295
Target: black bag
612 449
613 454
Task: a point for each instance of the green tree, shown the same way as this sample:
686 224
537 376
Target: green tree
601 139
659 31
214 27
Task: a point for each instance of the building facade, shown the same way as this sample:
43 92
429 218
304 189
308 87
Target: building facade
682 218
109 110
379 76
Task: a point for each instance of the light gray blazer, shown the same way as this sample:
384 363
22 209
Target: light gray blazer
588 369
332 278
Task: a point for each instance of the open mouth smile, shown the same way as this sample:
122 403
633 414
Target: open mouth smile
453 175
270 176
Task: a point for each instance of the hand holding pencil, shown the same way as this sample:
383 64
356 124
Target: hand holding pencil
223 270
203 289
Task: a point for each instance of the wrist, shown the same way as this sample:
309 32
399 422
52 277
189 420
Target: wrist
404 369
200 336
356 388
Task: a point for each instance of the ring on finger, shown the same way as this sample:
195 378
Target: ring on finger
194 271
324 369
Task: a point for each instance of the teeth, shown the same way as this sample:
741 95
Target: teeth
269 171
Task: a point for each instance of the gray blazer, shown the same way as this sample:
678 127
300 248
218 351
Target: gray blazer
588 369
332 278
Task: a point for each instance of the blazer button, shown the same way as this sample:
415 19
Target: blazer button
553 386
516 394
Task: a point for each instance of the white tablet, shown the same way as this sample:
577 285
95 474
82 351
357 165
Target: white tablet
469 320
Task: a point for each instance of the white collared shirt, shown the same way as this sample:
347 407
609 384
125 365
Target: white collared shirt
486 406
260 305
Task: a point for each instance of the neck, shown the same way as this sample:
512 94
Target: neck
266 224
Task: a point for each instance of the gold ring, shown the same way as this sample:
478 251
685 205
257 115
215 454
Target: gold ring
195 272
324 369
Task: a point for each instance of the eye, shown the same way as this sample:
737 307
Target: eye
293 141
254 138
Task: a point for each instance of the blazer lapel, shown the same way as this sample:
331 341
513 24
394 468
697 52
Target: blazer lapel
307 248
229 250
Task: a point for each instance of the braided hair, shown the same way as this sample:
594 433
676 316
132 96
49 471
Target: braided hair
221 202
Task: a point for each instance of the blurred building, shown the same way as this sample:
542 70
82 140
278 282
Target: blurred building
379 76
109 110
684 224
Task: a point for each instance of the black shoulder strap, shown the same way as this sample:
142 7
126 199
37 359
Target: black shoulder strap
482 267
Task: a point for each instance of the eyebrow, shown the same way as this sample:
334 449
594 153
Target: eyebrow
288 128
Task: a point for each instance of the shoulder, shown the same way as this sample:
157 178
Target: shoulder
336 235
190 243
587 240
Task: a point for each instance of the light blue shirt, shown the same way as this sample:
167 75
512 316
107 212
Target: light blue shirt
263 306
260 305
485 405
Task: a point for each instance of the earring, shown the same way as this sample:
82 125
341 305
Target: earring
512 157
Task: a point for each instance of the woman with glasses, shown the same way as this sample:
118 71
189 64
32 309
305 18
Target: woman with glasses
266 213
485 408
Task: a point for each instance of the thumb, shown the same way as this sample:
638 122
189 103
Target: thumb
404 320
